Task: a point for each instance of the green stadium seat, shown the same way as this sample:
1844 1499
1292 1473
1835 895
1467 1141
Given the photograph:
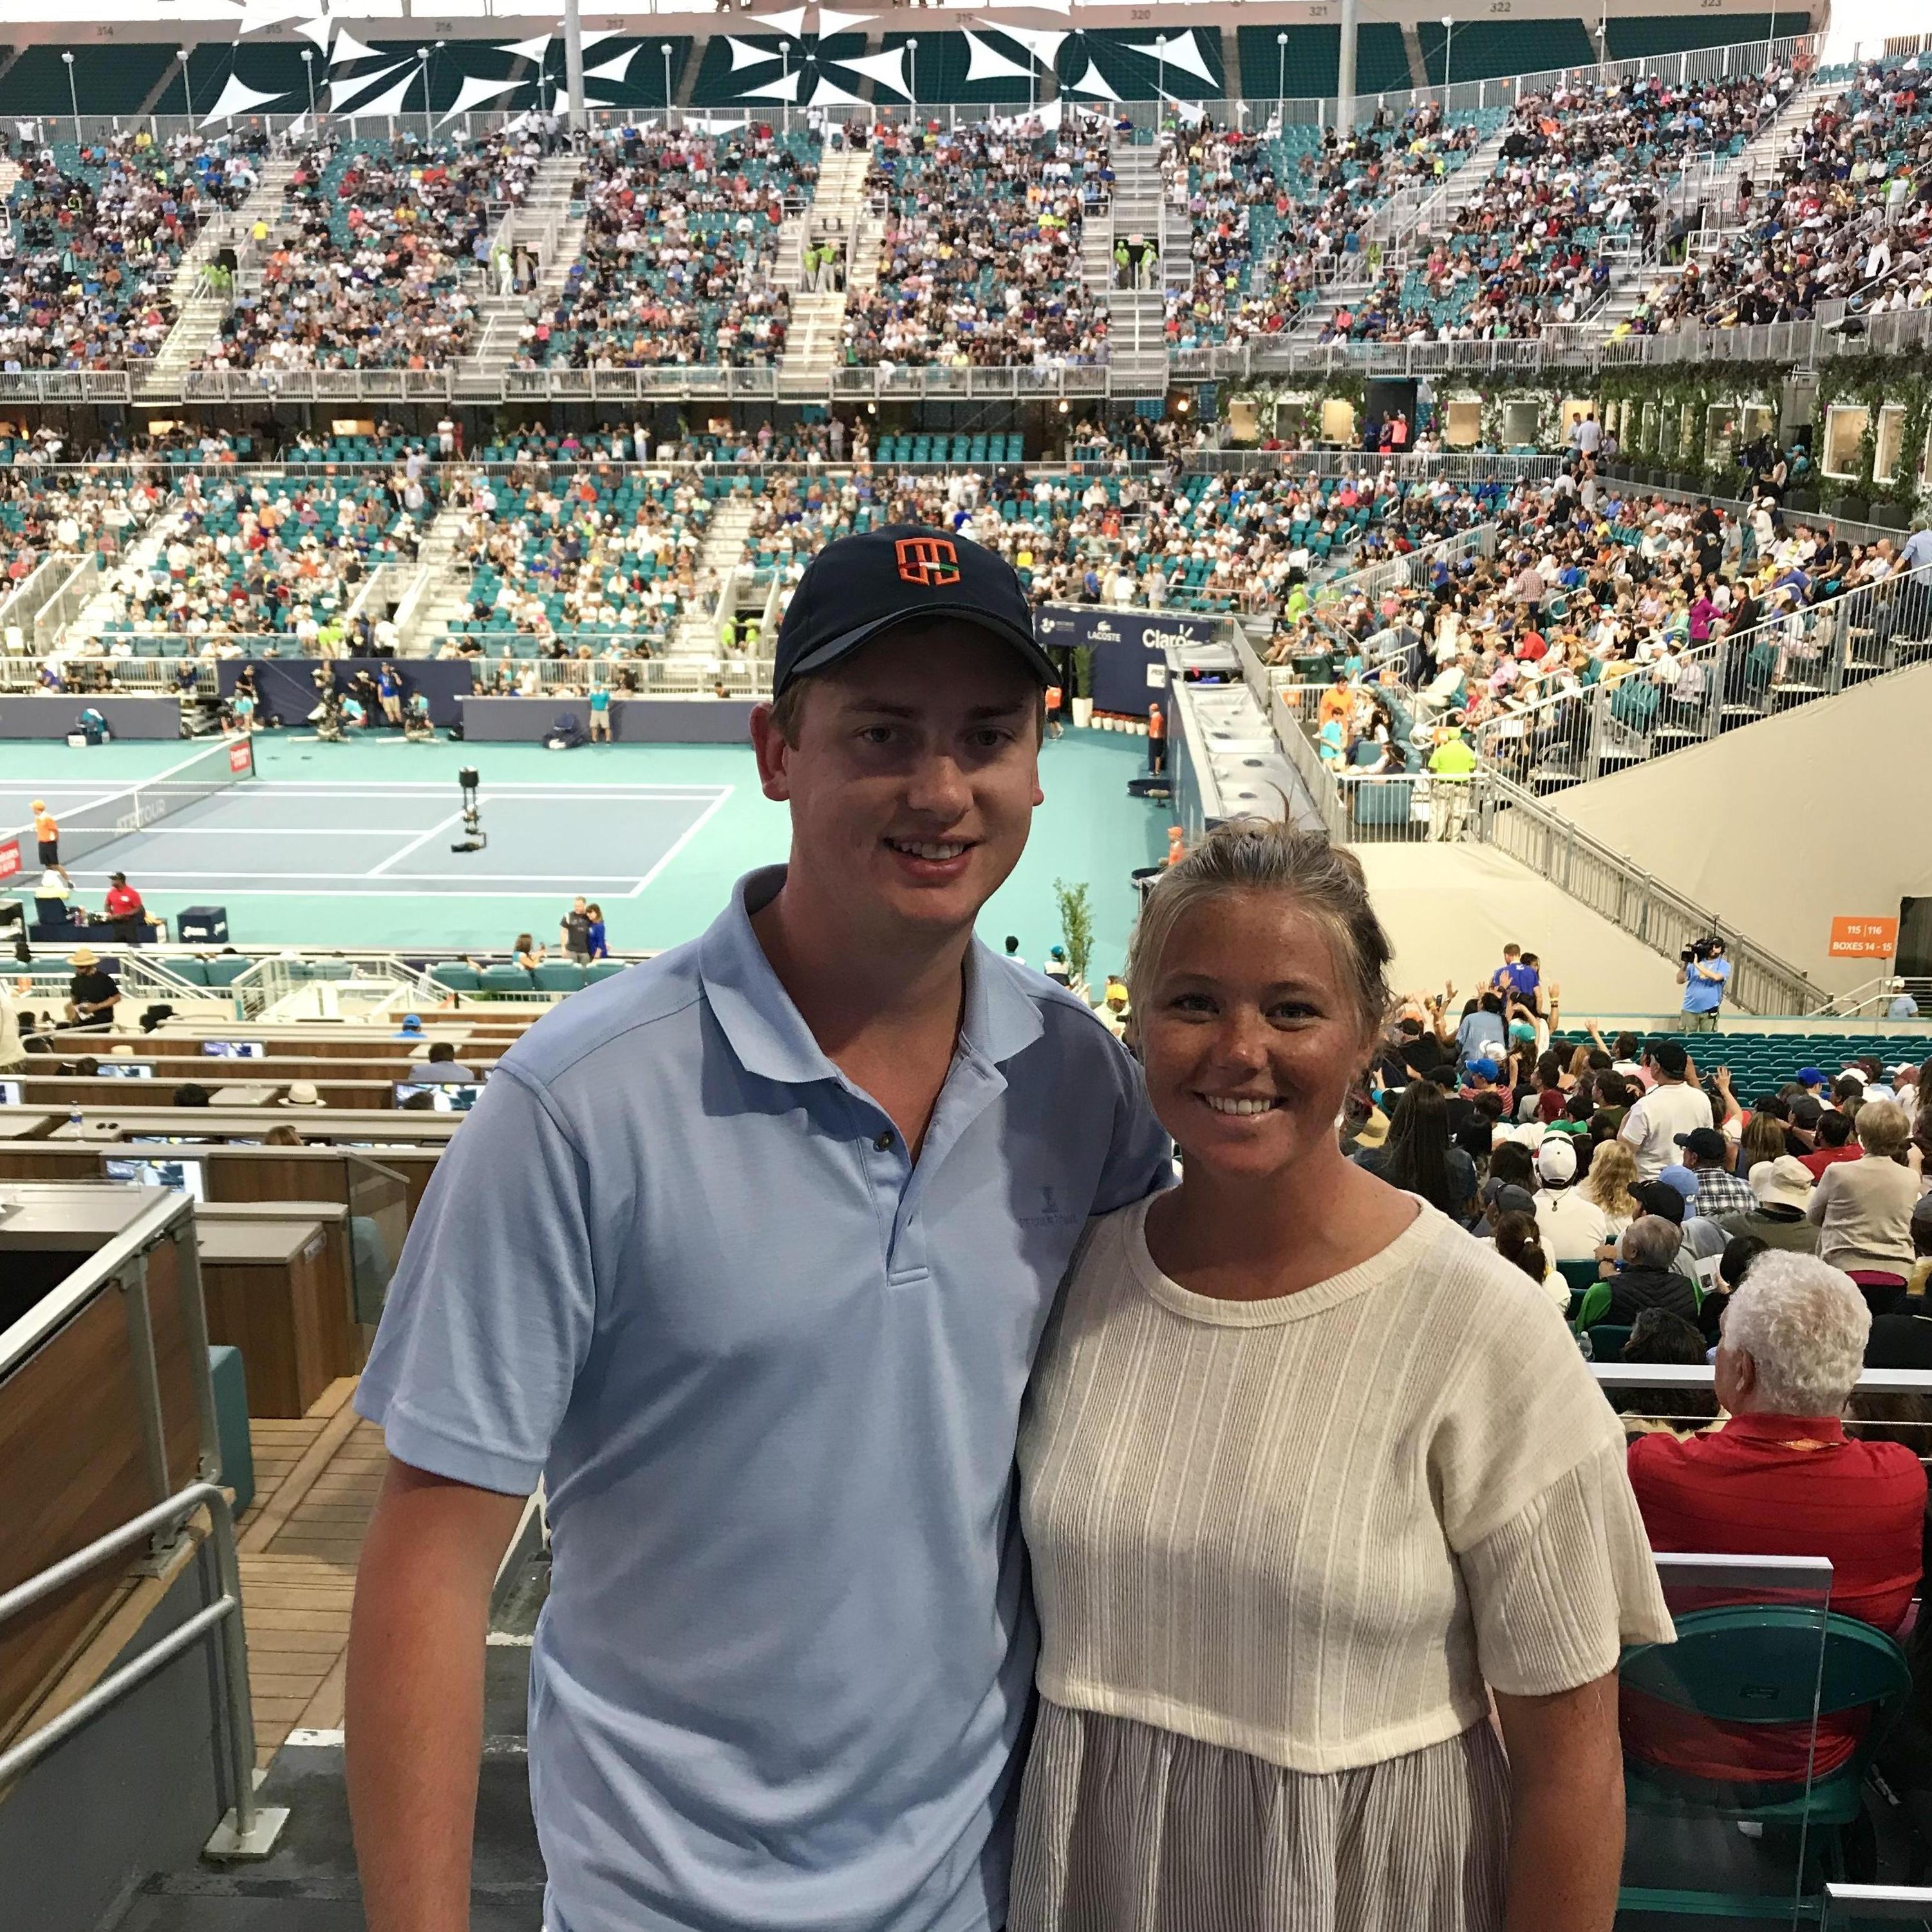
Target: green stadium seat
557 976
458 977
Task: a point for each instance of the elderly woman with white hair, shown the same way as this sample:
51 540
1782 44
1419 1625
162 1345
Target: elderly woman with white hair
1863 1208
1308 1475
1781 1478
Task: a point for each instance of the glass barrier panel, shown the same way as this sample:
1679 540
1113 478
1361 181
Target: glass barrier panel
378 1221
1852 1908
1733 1738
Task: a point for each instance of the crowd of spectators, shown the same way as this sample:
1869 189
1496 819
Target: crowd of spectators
1848 216
1590 584
1272 215
1582 165
94 234
375 259
583 552
680 243
247 556
981 260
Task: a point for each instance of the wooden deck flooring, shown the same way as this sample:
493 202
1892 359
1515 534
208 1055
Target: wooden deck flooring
317 1480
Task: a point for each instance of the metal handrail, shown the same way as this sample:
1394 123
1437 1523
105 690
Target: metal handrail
1495 812
1637 901
1846 1905
248 1830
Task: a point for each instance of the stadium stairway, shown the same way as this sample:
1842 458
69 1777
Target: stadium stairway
815 336
440 596
309 1884
1136 319
1756 162
551 223
200 311
695 633
141 555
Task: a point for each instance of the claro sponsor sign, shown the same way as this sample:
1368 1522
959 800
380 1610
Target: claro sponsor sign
1129 648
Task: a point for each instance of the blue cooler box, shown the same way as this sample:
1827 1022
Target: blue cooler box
196 924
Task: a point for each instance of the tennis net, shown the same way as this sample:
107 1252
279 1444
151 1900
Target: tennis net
99 822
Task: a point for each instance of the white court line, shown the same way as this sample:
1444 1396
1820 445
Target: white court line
165 878
571 794
167 828
295 890
684 838
421 838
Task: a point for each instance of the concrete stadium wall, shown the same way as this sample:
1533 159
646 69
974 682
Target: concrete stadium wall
53 717
1784 824
1449 910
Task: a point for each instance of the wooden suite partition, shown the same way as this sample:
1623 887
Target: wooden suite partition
94 1279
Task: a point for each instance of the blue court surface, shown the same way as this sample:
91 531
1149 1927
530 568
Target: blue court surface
349 844
332 838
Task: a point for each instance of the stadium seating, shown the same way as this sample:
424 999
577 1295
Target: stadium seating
681 236
97 232
982 259
1274 213
376 257
1847 216
606 556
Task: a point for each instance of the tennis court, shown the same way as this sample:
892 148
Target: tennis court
350 845
332 838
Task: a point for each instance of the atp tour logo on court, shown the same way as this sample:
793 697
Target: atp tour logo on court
928 562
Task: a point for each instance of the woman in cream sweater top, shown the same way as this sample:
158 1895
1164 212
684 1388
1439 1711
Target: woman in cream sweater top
1309 1474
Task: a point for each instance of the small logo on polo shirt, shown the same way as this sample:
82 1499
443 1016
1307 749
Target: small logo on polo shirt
1051 1212
928 562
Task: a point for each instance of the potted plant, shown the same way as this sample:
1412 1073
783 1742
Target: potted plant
1082 699
1076 932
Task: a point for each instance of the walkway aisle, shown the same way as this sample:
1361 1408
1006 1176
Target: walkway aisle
316 1482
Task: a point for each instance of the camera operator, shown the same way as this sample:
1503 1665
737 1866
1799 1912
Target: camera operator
1703 972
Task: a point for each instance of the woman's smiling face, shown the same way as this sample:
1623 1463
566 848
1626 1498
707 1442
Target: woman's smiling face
1251 1035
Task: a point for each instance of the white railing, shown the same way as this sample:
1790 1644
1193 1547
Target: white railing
1485 807
1808 651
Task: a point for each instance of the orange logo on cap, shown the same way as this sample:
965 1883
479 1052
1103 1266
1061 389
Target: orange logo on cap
928 561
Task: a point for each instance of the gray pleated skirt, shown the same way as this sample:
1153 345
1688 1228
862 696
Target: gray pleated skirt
1124 1827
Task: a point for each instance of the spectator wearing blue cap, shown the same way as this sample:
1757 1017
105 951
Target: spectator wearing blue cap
411 1027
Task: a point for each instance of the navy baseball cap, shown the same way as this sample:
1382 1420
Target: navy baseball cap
860 585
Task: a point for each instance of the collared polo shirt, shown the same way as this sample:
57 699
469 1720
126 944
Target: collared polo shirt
771 1370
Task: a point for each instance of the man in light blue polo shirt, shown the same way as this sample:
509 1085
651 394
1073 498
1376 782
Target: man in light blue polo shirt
747 1251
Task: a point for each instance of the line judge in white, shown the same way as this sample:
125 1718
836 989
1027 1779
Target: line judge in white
1308 1473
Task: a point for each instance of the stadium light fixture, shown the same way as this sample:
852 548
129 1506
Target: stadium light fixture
1281 65
1448 39
663 48
1160 74
308 73
73 95
187 93
912 57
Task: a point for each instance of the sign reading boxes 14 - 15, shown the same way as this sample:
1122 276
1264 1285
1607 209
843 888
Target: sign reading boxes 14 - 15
1854 938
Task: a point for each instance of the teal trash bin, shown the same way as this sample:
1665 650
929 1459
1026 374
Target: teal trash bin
231 1423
